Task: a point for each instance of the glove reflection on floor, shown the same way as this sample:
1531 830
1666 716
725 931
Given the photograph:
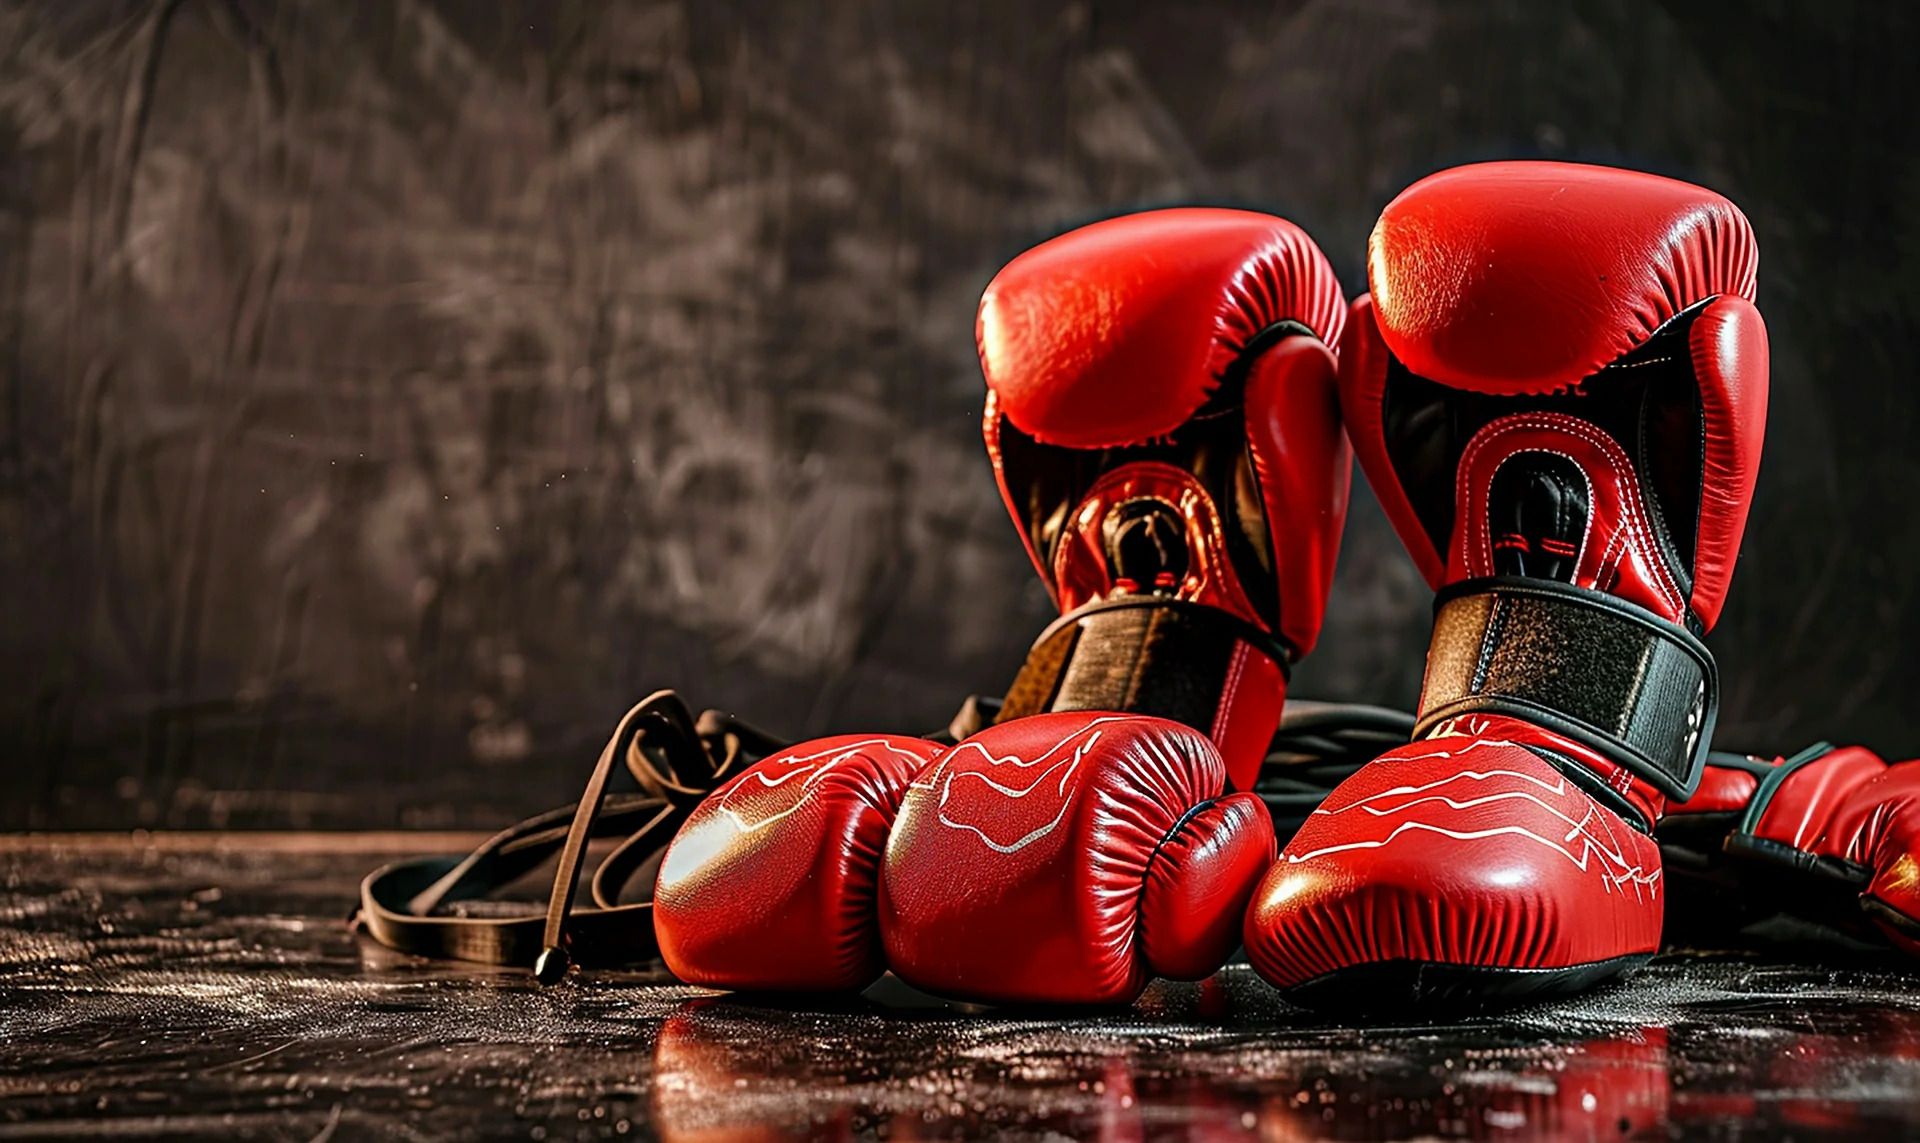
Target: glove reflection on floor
726 1073
1815 1081
1611 1088
730 1075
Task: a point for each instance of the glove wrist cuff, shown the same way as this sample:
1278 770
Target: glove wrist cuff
1607 674
1138 653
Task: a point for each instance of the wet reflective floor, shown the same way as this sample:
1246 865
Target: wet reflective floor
209 987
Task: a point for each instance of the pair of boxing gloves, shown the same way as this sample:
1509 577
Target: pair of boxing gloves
1557 388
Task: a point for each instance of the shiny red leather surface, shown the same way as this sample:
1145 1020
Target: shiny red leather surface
1853 806
1619 552
1018 864
1138 317
1731 361
1198 886
1526 277
770 884
1815 808
1249 713
1514 278
1080 574
1116 332
1637 792
1364 358
1306 468
1722 789
1465 848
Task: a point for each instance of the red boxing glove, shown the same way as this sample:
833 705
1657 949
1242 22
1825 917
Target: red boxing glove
770 884
1831 834
1558 390
1066 859
1163 424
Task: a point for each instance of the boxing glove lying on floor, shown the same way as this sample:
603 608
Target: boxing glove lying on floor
1829 835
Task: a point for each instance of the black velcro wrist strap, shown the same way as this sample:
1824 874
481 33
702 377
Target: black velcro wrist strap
1142 654
1589 666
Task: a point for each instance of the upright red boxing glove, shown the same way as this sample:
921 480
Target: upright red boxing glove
1162 421
770 884
1558 390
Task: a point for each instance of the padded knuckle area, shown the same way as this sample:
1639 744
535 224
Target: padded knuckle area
1198 885
1016 868
771 884
1456 851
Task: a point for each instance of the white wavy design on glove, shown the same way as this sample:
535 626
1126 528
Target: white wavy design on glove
1616 871
1066 767
807 767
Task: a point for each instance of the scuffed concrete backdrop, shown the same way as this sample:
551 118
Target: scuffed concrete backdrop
395 391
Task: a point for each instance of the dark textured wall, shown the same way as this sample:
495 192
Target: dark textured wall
394 391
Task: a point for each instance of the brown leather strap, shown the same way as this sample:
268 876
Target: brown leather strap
410 905
676 760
